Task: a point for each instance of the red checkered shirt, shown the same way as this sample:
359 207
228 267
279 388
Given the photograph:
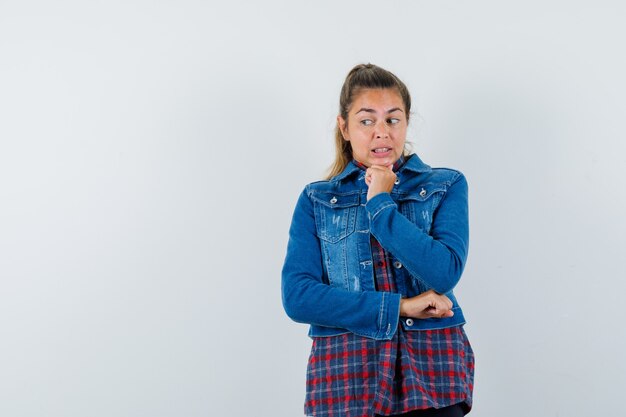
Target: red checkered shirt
355 376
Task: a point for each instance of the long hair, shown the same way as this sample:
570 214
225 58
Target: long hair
362 76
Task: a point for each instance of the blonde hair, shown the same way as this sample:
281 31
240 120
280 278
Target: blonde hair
362 76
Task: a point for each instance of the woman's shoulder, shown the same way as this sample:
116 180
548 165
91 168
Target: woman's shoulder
335 192
448 175
341 183
424 172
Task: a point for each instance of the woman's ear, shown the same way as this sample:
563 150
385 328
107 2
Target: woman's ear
343 127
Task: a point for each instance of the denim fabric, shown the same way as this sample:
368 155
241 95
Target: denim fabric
328 275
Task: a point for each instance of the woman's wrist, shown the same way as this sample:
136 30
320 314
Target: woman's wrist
402 307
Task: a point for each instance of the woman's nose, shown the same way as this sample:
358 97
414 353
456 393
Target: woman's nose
381 130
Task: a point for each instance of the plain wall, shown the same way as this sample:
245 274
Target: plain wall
151 153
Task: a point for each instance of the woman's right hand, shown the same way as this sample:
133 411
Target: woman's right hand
426 305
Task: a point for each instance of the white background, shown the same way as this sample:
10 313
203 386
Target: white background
151 153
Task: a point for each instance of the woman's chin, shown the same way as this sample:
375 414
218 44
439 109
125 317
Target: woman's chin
382 161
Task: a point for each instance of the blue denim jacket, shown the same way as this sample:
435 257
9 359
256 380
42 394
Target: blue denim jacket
328 276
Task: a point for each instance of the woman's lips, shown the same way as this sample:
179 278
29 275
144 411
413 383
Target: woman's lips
381 152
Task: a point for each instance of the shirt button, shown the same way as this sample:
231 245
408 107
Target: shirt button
423 193
409 322
333 200
397 264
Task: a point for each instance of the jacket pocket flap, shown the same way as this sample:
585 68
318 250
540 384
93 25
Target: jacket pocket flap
422 193
336 200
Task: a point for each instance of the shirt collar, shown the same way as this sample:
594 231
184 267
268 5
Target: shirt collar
396 165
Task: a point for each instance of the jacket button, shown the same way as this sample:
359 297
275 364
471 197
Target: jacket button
397 181
409 322
333 200
397 264
423 193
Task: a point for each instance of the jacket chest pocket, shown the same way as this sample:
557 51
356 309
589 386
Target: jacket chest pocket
420 206
335 215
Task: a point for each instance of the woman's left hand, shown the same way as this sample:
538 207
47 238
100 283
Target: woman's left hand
379 179
426 305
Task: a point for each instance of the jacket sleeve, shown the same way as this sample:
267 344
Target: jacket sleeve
436 259
308 299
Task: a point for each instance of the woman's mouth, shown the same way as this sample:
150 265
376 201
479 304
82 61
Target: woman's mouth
381 150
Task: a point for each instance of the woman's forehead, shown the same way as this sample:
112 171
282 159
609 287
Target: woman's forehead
377 99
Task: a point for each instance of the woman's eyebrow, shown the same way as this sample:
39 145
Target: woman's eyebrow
395 109
365 109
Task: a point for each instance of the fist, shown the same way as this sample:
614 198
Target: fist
379 179
426 305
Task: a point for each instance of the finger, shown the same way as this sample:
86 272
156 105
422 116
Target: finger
434 312
443 313
440 312
384 167
381 172
446 301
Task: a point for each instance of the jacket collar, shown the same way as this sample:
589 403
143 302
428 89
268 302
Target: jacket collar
413 163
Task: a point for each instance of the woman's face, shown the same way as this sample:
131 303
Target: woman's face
376 126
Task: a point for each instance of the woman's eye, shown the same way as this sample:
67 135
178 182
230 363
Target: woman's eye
366 122
393 121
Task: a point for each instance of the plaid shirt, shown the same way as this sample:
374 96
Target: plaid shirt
354 376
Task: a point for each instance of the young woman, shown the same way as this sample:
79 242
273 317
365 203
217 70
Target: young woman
374 254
